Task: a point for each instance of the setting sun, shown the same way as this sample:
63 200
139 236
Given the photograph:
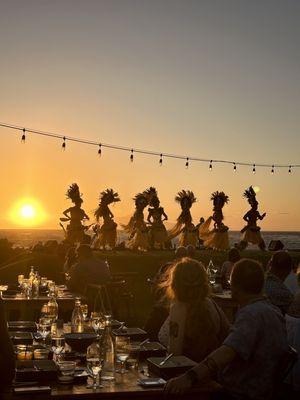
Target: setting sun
27 212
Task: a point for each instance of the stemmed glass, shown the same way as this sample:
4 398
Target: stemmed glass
94 363
123 349
58 347
43 328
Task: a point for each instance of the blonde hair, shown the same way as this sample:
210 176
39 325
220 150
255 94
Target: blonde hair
186 281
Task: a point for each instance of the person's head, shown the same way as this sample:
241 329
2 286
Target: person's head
281 264
83 252
187 281
247 279
191 251
234 255
180 252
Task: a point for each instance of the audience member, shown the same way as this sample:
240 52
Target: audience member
180 252
7 357
233 257
279 268
88 269
191 251
291 281
251 356
196 325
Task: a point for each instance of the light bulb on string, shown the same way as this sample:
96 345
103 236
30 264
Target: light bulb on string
253 169
100 149
234 167
272 170
161 160
290 169
187 163
131 155
63 146
23 136
210 165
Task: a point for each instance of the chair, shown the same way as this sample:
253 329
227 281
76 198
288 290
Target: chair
283 388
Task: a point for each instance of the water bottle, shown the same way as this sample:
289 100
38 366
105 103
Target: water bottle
31 274
107 341
52 308
36 286
77 320
211 272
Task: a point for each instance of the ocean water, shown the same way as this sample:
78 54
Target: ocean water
29 237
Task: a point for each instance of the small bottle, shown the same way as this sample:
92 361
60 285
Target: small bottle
108 372
77 320
52 308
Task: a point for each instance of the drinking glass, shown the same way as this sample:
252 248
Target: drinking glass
94 363
58 347
43 328
84 310
20 280
123 349
97 321
67 371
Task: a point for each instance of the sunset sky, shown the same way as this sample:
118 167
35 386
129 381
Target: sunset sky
206 78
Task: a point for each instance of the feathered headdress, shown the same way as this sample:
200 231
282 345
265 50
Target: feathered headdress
140 198
221 197
250 195
150 194
108 196
73 193
187 195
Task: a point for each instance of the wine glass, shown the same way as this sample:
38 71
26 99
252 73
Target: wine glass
94 363
123 349
43 328
20 280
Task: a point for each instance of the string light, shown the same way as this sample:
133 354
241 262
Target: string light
23 136
160 160
145 152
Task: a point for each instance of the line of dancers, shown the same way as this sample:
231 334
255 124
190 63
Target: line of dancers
151 233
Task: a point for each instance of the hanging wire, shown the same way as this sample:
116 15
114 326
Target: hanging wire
140 151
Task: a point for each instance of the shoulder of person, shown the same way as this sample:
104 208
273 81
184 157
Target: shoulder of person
178 308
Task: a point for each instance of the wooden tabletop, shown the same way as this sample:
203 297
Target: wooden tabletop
124 386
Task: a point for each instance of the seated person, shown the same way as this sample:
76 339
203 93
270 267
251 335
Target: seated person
7 356
196 325
291 281
87 270
233 257
247 362
191 251
279 268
